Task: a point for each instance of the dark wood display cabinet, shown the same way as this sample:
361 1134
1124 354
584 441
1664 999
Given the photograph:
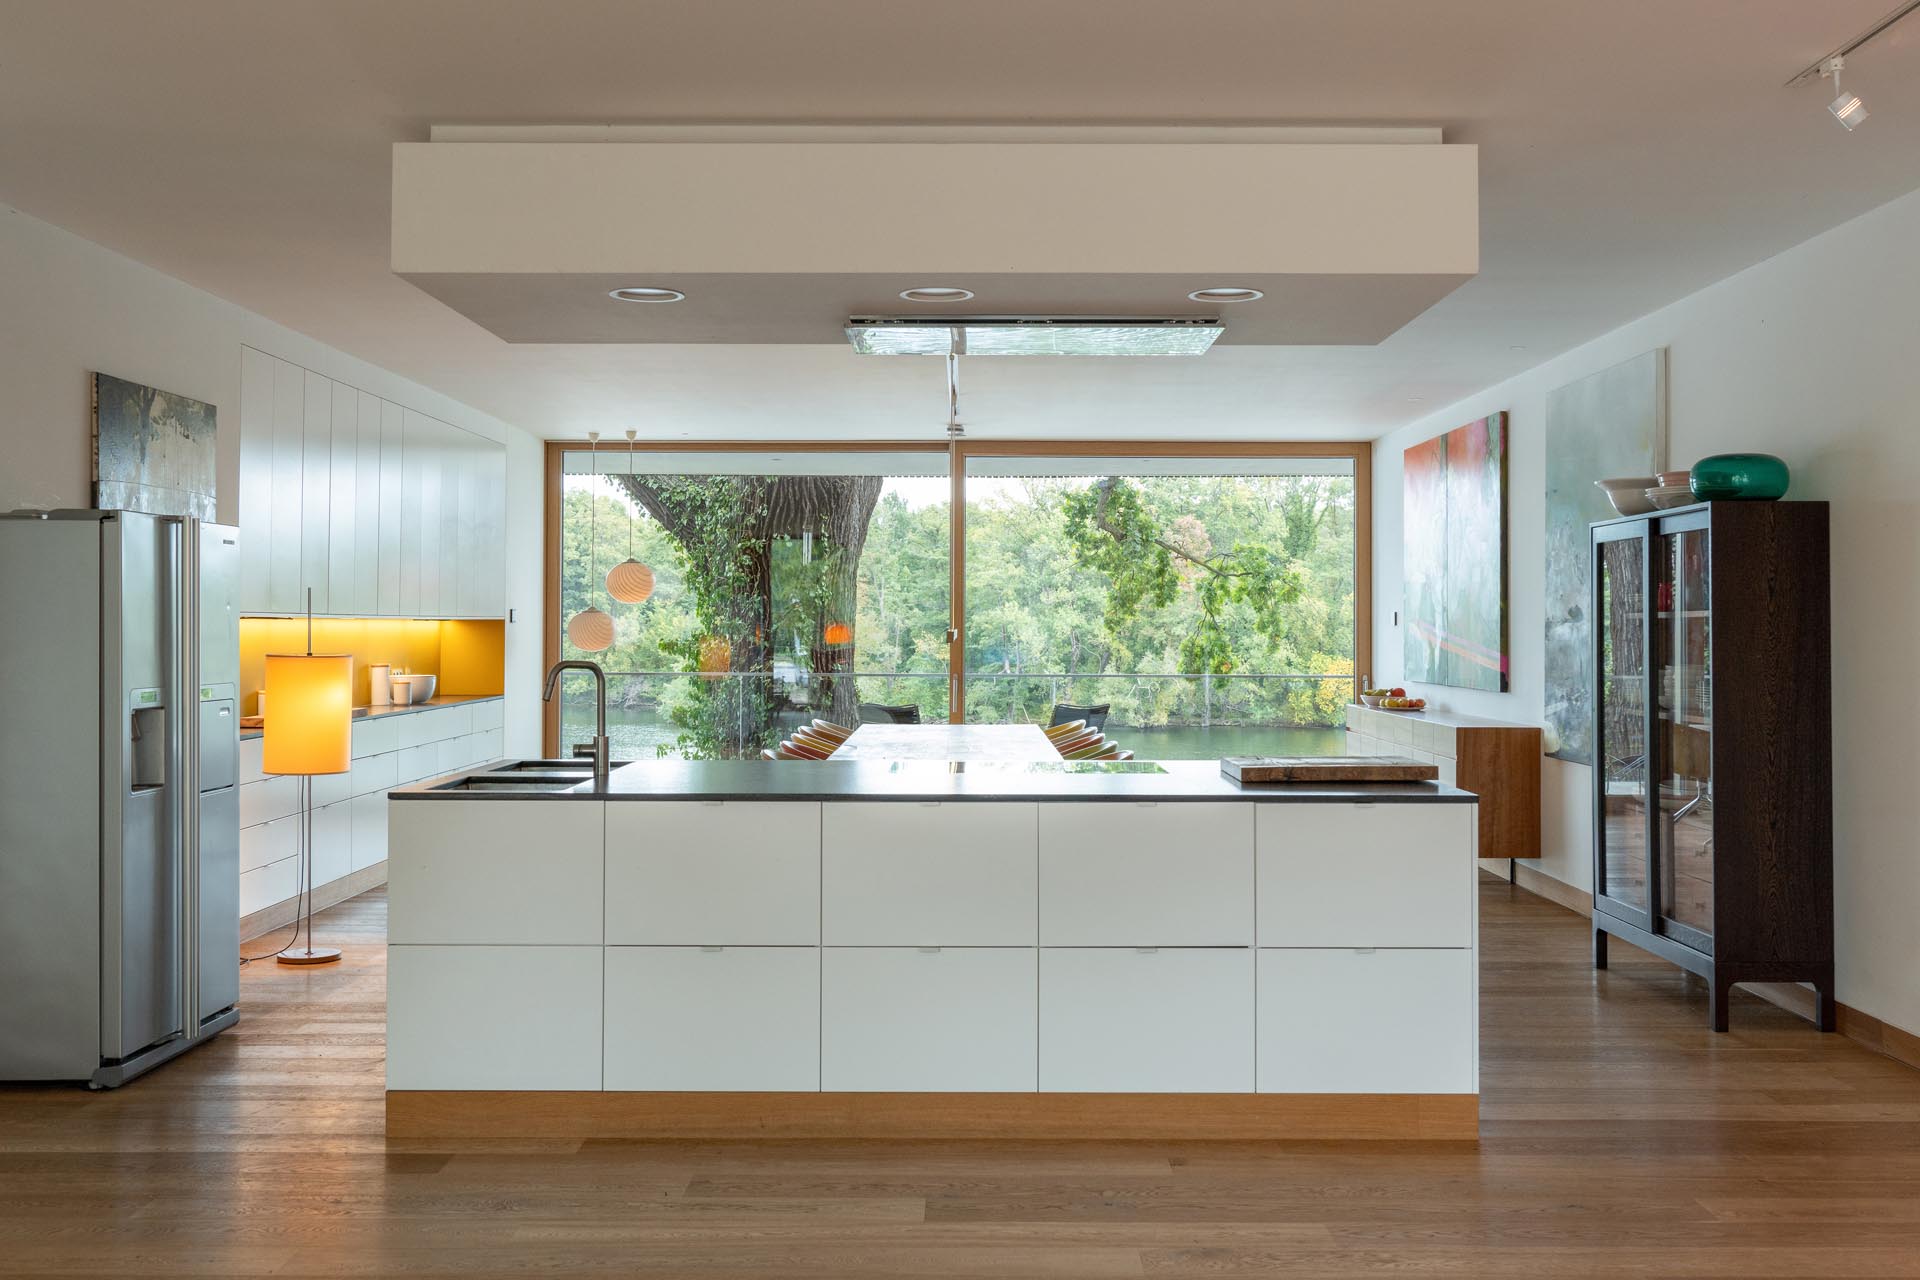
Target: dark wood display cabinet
1713 754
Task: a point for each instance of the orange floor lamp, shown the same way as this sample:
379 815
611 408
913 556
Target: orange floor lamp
308 732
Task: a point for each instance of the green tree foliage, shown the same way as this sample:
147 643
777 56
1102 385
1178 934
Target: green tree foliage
1155 578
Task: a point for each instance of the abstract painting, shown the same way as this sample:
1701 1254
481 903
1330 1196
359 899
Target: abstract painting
1612 423
1455 557
152 450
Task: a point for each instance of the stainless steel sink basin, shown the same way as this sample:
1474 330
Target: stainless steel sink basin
514 782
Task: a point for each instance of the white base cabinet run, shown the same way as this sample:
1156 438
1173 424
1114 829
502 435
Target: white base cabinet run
958 947
462 1017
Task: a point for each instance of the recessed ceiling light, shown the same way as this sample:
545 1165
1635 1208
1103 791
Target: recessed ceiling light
1224 294
639 293
936 293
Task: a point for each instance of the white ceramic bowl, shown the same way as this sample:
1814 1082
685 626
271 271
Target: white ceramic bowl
1678 495
1372 699
1628 494
423 687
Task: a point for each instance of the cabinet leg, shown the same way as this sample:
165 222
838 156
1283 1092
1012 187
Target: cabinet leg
1719 991
1599 947
1827 1010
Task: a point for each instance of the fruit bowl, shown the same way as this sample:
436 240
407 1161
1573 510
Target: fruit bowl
1677 495
1372 699
1628 494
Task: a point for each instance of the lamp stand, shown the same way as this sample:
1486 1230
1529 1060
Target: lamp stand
309 954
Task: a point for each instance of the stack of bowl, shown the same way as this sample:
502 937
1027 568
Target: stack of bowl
1675 489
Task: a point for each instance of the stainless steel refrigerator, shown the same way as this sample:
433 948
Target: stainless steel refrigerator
119 813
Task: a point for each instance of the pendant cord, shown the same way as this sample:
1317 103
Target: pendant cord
593 507
630 522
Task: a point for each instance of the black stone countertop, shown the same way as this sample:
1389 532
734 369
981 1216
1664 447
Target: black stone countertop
1138 781
431 704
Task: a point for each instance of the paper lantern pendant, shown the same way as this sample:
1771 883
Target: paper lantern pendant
716 656
838 633
590 630
630 582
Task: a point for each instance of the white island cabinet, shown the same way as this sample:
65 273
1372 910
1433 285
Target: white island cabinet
680 955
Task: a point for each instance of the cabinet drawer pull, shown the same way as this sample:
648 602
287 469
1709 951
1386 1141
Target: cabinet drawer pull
711 804
928 951
929 804
1146 804
712 950
1146 951
1363 951
1363 804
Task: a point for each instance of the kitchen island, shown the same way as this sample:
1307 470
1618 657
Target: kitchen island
931 949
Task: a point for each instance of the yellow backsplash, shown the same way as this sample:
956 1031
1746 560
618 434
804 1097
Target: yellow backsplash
468 656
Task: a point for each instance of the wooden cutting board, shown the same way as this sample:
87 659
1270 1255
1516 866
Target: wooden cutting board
1327 769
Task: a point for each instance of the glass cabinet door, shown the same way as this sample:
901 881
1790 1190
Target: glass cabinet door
1621 763
1683 727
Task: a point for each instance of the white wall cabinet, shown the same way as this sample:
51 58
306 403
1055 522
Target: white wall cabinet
928 1019
379 510
721 1018
1146 1020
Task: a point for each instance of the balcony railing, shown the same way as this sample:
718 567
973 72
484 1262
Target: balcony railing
1186 715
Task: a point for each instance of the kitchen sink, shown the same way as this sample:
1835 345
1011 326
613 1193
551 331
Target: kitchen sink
552 766
518 783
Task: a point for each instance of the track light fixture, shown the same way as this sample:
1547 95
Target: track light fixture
1846 107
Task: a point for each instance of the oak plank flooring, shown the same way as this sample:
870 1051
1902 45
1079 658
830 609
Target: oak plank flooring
1619 1138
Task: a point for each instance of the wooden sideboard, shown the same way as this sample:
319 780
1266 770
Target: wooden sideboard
1498 762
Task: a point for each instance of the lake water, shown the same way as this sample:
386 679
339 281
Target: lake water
638 735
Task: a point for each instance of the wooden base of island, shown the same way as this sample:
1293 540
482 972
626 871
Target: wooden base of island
437 1113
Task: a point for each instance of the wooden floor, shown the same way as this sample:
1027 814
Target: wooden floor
1620 1138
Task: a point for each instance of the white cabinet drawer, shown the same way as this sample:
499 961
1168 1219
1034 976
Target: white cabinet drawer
471 871
332 788
416 763
263 886
332 842
1157 1020
1345 1021
493 1017
268 799
375 736
688 873
1359 875
251 751
488 715
375 773
414 728
929 875
269 842
452 754
1144 875
450 722
369 829
939 1020
720 1018
492 744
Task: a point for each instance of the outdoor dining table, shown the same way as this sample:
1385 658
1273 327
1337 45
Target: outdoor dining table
1012 742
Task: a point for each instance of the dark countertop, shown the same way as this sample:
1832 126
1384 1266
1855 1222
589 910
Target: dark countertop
433 703
924 780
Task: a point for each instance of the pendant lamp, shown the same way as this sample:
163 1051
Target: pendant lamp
630 582
591 629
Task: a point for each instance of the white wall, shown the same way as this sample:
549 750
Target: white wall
1815 356
69 308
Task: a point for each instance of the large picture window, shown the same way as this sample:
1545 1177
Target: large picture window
1215 602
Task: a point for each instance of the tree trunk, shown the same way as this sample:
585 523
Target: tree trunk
730 525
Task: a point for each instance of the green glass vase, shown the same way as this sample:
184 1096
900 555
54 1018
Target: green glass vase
1749 477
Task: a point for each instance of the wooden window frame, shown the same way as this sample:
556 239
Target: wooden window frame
1358 452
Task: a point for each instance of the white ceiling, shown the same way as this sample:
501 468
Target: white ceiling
1631 152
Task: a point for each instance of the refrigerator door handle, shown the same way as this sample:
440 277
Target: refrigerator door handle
184 625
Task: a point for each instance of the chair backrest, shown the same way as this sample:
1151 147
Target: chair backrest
826 746
1061 732
768 753
828 729
1093 746
1076 743
882 713
1094 714
804 750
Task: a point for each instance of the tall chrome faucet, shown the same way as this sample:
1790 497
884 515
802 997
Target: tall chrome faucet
598 747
